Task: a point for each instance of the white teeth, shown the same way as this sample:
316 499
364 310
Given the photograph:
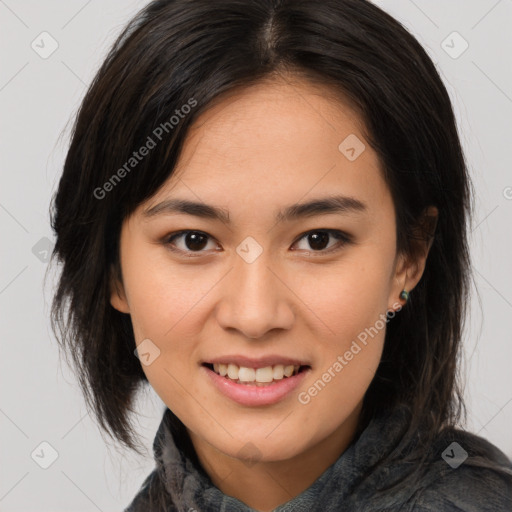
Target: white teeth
278 371
258 375
246 374
233 371
288 370
264 374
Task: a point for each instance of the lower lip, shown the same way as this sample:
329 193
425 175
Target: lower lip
246 394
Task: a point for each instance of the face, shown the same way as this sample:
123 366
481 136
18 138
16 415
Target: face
263 288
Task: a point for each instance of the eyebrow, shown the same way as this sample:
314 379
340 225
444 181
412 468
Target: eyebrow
320 206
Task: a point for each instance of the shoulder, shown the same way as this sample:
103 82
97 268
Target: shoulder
468 474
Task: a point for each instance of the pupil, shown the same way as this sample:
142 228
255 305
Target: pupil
195 241
318 240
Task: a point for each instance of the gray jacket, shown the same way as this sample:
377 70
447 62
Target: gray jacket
466 474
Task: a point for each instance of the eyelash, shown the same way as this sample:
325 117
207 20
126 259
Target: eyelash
343 239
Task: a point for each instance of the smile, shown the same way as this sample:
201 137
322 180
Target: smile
259 376
255 386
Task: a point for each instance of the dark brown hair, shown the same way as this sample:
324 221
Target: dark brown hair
183 52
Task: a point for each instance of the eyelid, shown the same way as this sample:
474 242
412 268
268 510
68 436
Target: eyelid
342 237
189 254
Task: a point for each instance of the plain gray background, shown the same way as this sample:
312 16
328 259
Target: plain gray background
40 401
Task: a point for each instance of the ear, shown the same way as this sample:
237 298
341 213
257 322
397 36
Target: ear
409 268
117 294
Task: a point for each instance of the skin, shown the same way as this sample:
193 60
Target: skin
253 153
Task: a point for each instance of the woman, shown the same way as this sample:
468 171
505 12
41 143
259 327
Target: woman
263 215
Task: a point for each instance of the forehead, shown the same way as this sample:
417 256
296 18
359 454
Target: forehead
278 140
272 118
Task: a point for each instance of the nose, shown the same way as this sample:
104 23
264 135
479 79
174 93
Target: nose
255 299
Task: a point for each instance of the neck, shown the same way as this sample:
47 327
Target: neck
282 480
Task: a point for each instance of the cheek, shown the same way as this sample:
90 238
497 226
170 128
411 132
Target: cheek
349 298
165 308
347 361
164 298
351 304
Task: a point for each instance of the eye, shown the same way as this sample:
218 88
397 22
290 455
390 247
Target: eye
195 241
319 239
192 241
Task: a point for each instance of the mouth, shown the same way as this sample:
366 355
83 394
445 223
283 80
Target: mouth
260 376
255 382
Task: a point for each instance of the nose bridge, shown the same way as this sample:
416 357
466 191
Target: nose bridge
255 301
255 282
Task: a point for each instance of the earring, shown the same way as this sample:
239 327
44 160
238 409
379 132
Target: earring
404 295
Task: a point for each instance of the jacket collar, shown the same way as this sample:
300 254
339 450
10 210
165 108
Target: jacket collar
189 488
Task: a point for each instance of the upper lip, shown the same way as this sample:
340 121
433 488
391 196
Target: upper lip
256 362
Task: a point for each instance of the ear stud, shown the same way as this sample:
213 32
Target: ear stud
404 295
